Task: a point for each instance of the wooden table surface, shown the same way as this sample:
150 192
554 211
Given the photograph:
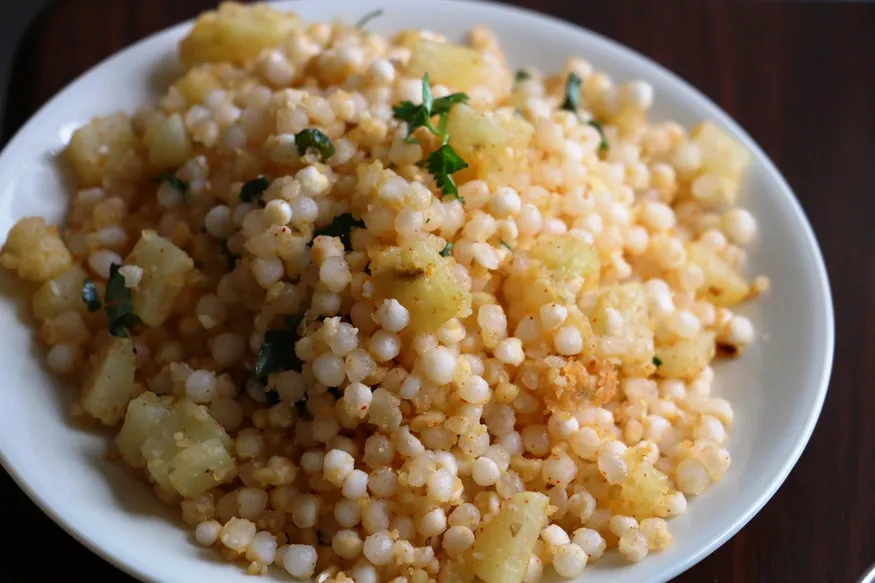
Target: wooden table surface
799 76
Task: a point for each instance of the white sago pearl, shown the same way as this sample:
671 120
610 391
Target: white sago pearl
619 524
554 536
569 560
491 317
439 365
505 202
218 221
62 358
355 485
613 322
485 472
440 486
278 212
668 251
338 465
457 539
334 274
200 386
685 324
251 502
534 570
529 219
304 210
552 316
474 389
611 464
168 196
364 572
384 345
562 425
657 217
377 548
382 70
592 543
392 316
347 512
692 477
558 470
262 549
267 271
101 261
710 428
347 544
328 369
585 443
313 182
300 561
510 351
739 225
686 158
237 534
432 523
383 483
357 399
207 532
633 545
738 332
568 341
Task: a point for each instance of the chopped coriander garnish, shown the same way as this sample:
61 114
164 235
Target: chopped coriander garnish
341 227
229 257
272 396
657 361
173 181
447 251
90 295
441 164
442 105
252 190
119 305
521 75
277 353
572 93
506 246
368 17
314 139
603 145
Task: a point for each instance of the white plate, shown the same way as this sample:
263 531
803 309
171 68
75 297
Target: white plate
777 388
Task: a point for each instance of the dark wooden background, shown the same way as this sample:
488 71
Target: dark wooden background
799 76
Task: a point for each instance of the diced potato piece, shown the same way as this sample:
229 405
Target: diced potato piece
646 491
197 424
158 451
61 294
569 257
200 468
168 142
423 282
98 147
34 250
145 416
165 269
236 33
197 84
633 345
721 154
686 358
502 548
458 67
724 286
487 143
110 385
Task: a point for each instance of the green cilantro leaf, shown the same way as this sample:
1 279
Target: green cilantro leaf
368 17
441 164
603 145
252 190
572 93
442 105
119 305
90 295
506 246
657 361
341 227
521 75
173 181
277 352
272 396
447 251
312 138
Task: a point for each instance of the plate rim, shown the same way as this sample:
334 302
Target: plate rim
714 110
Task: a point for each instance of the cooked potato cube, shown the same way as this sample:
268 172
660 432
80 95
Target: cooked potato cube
458 67
487 143
568 257
502 548
100 146
61 294
424 283
633 345
685 358
110 385
145 416
34 250
724 286
645 492
165 269
721 154
197 84
236 33
197 424
168 142
200 468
